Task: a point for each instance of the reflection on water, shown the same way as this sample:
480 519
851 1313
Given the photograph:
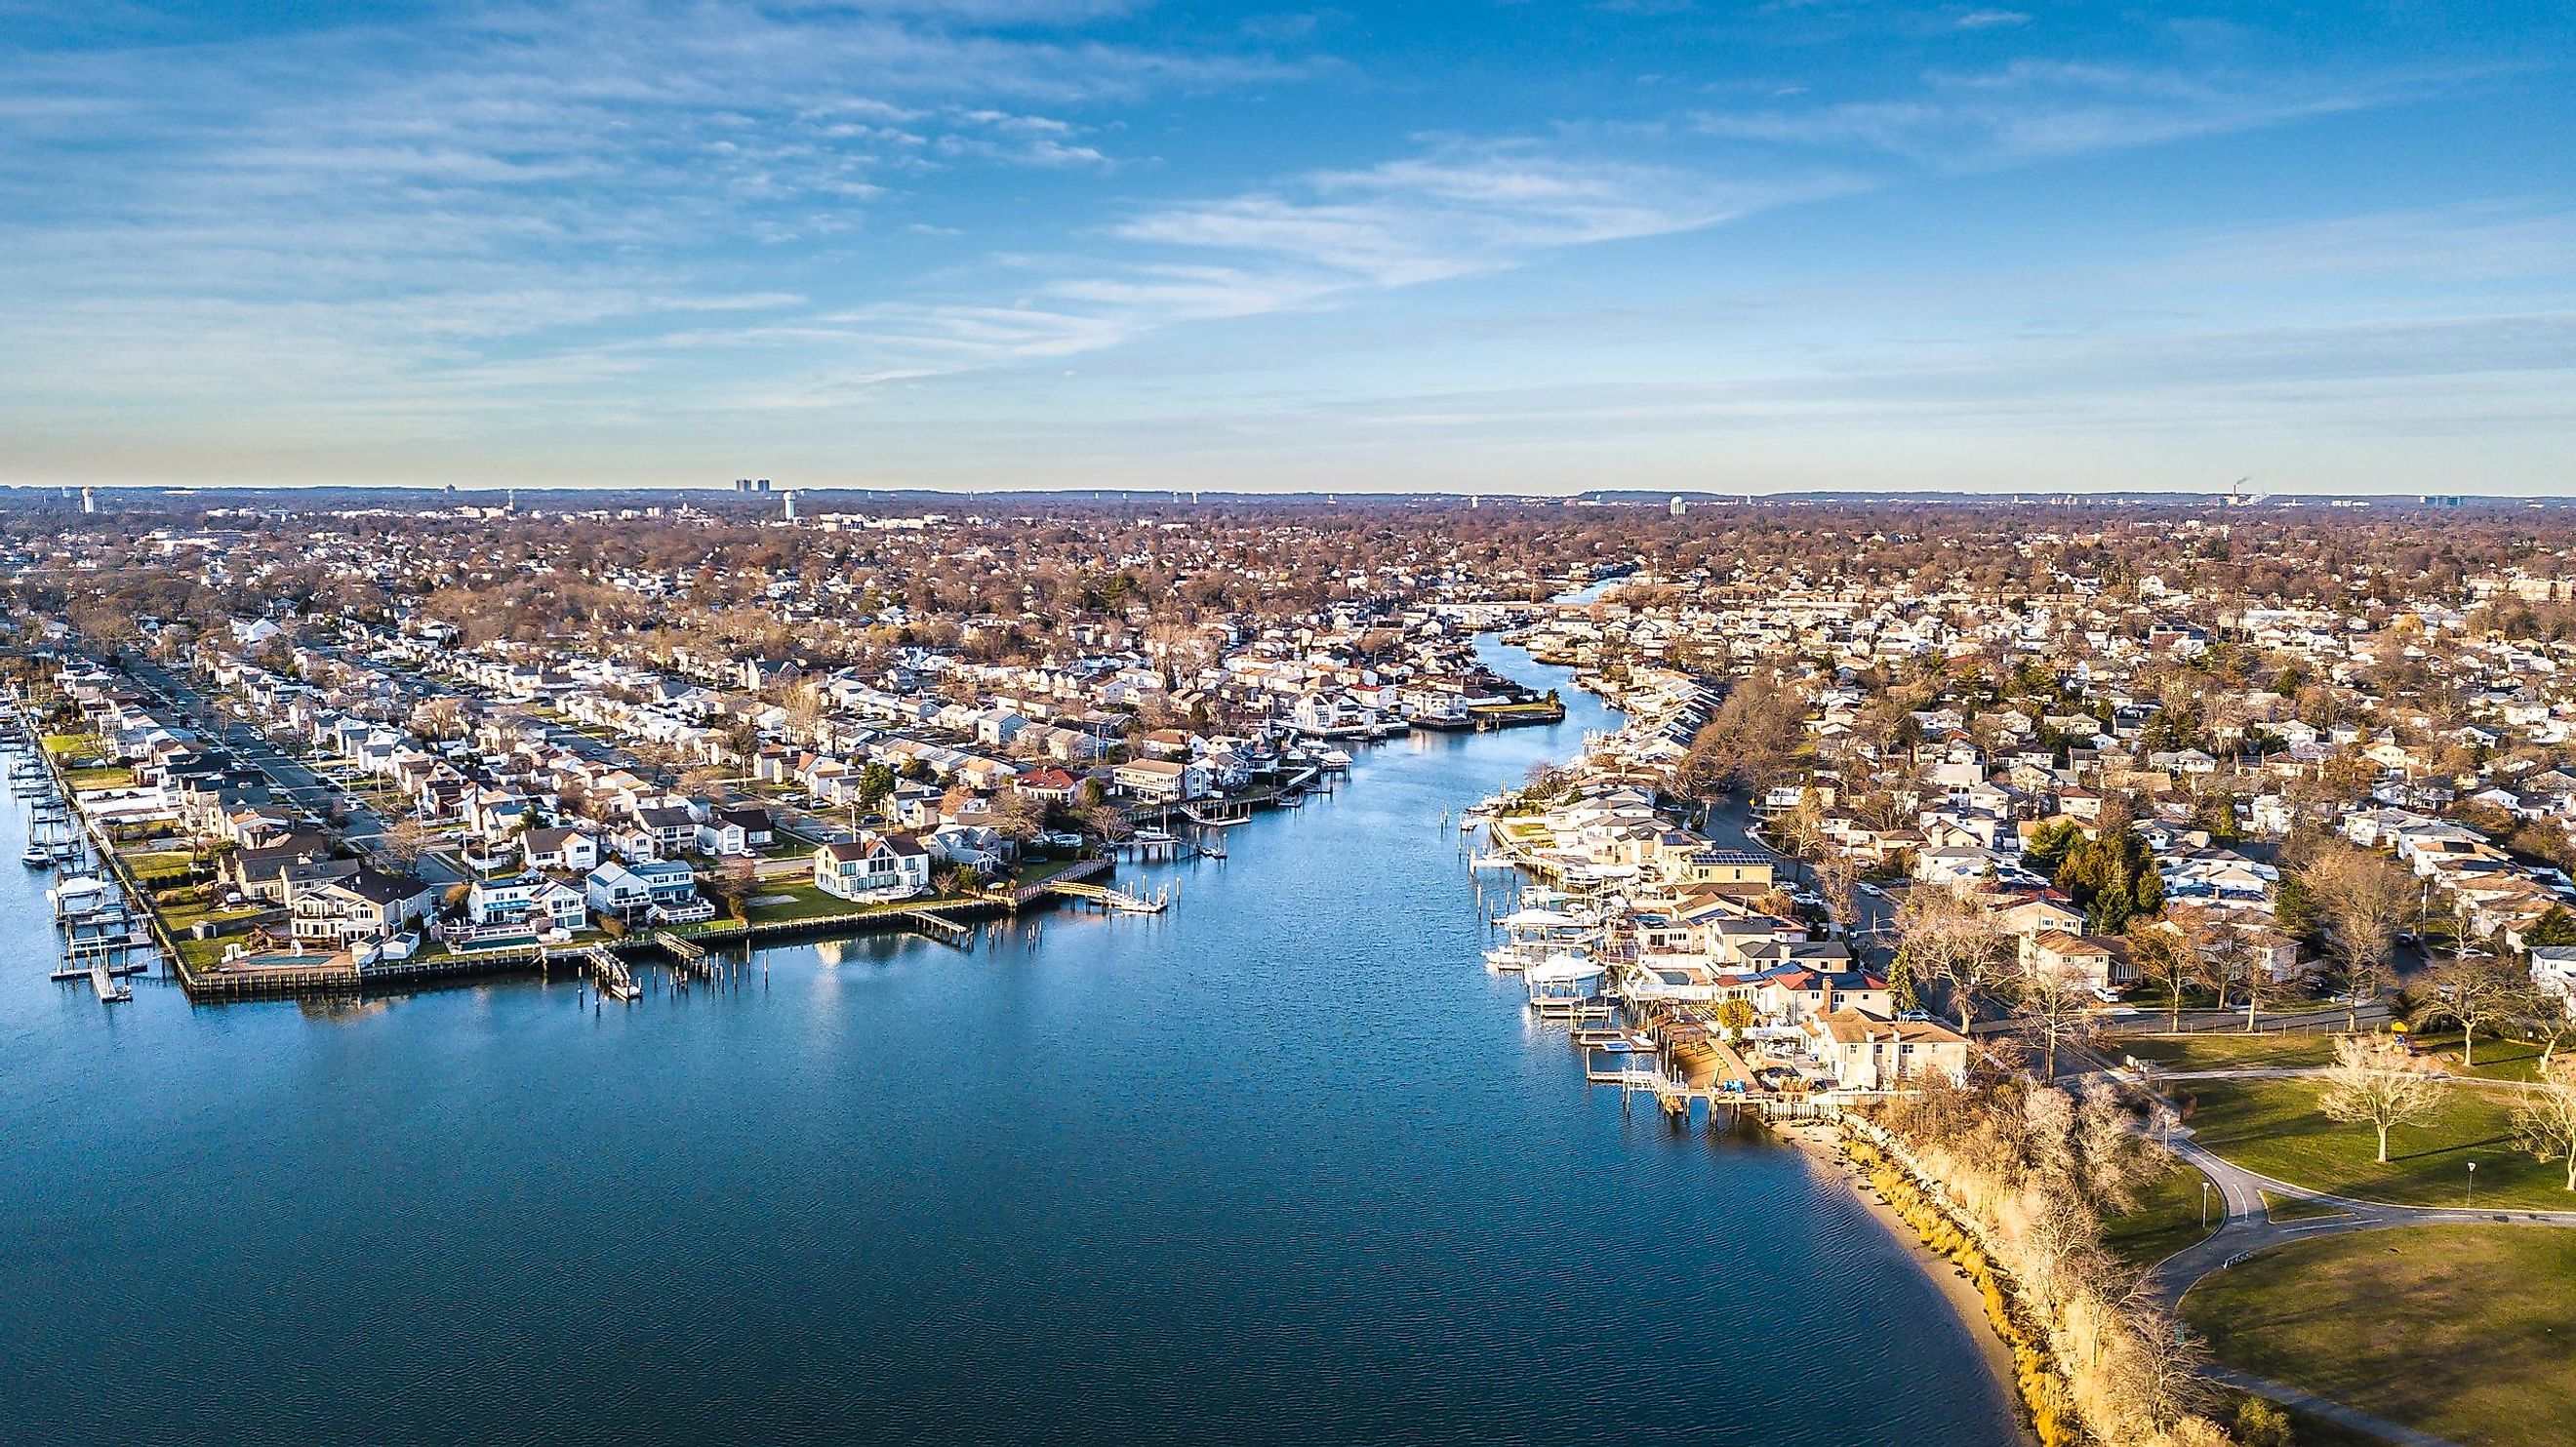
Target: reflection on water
1283 1164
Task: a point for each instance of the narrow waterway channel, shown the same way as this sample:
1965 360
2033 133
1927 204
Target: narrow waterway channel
1285 1164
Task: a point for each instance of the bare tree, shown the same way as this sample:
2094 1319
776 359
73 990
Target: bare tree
1838 881
2545 1119
2056 1009
2378 1084
2172 952
2361 899
733 882
2475 991
404 841
1947 934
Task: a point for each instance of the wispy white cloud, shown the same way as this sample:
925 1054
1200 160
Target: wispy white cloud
512 187
1318 240
2034 110
2490 241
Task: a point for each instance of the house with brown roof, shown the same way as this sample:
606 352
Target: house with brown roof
1863 1051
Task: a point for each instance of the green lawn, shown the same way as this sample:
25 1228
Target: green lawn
2226 1052
2309 1431
154 866
1038 871
62 745
806 902
106 776
2497 1059
178 918
2296 1208
2469 1336
2273 1126
2167 1219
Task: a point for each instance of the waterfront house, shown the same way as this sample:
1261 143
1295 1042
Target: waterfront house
872 867
366 905
1864 1051
526 897
1161 781
661 889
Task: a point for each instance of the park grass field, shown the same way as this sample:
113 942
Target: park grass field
2228 1052
2497 1059
2167 1219
2297 1208
2273 1126
2469 1327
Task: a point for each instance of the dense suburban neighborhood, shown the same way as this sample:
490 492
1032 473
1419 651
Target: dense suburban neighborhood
2061 866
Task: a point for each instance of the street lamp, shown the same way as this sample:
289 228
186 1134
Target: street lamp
2473 1183
2204 1203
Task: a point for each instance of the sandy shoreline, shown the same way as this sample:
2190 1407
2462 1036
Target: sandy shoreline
1822 1141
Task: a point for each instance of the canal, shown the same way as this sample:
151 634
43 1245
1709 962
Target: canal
1285 1164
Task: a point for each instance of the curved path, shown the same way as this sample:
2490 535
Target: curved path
2249 1228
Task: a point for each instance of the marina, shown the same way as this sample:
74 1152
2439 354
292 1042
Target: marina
103 933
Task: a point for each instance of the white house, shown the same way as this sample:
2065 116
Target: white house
573 851
873 867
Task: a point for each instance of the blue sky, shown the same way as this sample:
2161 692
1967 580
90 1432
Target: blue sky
1475 247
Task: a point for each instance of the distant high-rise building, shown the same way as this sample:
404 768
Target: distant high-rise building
790 513
1678 507
89 500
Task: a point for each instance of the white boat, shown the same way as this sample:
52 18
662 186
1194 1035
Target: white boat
1490 861
1334 760
36 857
1471 821
1562 982
79 895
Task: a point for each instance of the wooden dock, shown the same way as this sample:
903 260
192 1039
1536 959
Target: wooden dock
1112 899
110 990
609 973
931 924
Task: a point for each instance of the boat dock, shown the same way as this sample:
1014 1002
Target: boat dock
609 973
929 923
1113 899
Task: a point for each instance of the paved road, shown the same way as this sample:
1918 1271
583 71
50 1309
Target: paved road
286 773
2316 1406
2249 1226
1729 826
2151 1021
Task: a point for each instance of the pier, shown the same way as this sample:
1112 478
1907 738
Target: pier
609 973
1113 899
931 924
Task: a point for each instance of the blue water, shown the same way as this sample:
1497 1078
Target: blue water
1285 1164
